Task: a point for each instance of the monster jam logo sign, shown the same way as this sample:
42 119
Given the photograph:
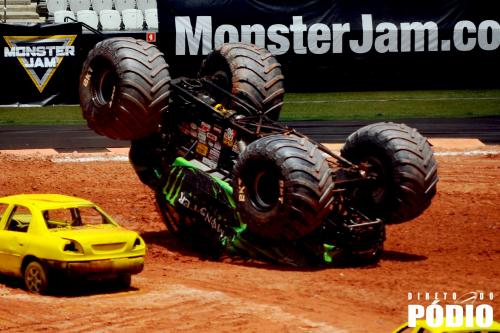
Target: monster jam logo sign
337 37
40 56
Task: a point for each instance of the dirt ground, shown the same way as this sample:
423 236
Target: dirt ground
453 247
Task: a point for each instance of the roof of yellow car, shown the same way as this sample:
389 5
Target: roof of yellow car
46 201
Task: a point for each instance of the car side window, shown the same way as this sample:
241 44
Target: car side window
19 219
73 217
3 208
58 218
91 216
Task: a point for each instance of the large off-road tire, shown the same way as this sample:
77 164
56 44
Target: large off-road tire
283 187
147 156
249 72
403 165
124 88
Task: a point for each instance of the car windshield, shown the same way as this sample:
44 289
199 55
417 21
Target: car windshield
74 217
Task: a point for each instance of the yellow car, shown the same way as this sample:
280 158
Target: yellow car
49 235
422 327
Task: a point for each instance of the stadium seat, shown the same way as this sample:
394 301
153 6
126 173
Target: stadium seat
78 5
133 19
146 4
56 5
88 17
60 15
110 19
151 17
98 5
121 5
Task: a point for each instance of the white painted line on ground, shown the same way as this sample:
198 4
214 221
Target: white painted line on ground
86 159
468 153
124 158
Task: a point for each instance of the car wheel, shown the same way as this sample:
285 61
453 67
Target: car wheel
36 278
124 281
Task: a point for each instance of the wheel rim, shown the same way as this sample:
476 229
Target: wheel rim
221 79
375 169
105 91
105 82
265 192
34 280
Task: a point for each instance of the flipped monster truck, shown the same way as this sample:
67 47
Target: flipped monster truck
230 179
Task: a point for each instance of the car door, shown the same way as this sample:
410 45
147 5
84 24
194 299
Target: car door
14 239
4 212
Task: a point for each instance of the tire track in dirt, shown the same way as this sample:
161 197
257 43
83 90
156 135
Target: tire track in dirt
173 302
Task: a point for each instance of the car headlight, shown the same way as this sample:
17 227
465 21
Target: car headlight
73 246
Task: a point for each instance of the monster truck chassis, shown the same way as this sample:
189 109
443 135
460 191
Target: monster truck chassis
229 177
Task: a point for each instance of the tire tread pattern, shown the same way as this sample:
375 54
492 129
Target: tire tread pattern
141 94
414 168
256 75
308 185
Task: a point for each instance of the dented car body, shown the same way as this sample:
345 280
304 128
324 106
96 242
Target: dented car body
47 235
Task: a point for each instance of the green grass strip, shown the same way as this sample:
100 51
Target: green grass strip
391 105
49 115
379 105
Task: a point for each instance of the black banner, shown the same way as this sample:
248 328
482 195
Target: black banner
40 63
344 42
322 44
